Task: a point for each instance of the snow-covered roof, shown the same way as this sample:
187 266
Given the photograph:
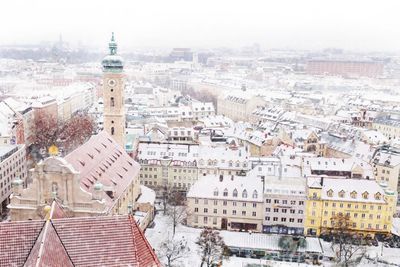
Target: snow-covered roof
247 188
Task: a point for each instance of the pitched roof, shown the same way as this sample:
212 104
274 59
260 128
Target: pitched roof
102 160
91 241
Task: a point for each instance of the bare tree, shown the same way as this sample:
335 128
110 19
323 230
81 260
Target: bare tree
173 250
345 244
212 247
167 192
176 210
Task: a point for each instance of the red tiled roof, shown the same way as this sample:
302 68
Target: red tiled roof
143 247
105 241
16 241
102 160
90 241
48 250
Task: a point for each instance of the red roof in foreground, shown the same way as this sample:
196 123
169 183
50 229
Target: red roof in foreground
91 241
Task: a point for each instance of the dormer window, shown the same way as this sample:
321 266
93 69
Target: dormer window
225 192
341 194
244 194
365 195
353 194
330 193
378 196
235 193
215 192
255 194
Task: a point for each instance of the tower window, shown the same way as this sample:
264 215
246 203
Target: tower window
112 101
112 90
112 131
112 121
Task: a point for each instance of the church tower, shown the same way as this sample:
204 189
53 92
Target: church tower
113 94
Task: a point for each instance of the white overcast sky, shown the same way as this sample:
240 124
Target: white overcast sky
303 24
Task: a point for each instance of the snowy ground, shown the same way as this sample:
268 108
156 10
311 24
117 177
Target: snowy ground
163 230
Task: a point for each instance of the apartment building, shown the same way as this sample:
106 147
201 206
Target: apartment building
12 167
386 165
226 202
368 205
239 106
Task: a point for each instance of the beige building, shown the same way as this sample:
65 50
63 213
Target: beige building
98 178
386 164
389 126
226 202
239 106
113 94
12 166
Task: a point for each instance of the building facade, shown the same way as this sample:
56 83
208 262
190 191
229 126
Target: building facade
226 202
368 205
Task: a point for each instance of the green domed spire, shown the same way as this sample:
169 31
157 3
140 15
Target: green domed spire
112 62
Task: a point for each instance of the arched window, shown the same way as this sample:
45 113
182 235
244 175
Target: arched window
235 193
341 193
255 194
112 130
237 163
216 192
353 194
365 195
244 194
378 196
112 102
225 192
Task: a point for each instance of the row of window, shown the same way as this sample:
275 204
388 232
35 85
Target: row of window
234 212
235 193
285 202
275 219
354 225
292 211
355 215
349 206
215 202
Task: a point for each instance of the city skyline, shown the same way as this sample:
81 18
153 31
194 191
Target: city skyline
358 25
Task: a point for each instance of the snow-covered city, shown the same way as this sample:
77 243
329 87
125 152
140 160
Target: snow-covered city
183 134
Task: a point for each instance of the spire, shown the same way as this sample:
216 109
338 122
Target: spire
112 45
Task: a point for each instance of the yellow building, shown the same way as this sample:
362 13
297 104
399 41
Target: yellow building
370 206
386 164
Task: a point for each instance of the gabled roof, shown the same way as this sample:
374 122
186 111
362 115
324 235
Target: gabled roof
88 241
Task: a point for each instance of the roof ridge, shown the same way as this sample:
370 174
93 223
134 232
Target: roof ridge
34 243
155 258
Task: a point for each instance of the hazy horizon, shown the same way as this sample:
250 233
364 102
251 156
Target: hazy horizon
356 25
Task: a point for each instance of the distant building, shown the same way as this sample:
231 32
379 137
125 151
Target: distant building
388 125
12 167
178 54
345 67
239 106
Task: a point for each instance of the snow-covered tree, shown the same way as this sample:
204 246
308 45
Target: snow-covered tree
173 250
212 247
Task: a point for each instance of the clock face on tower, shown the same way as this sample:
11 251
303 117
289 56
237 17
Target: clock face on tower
112 82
